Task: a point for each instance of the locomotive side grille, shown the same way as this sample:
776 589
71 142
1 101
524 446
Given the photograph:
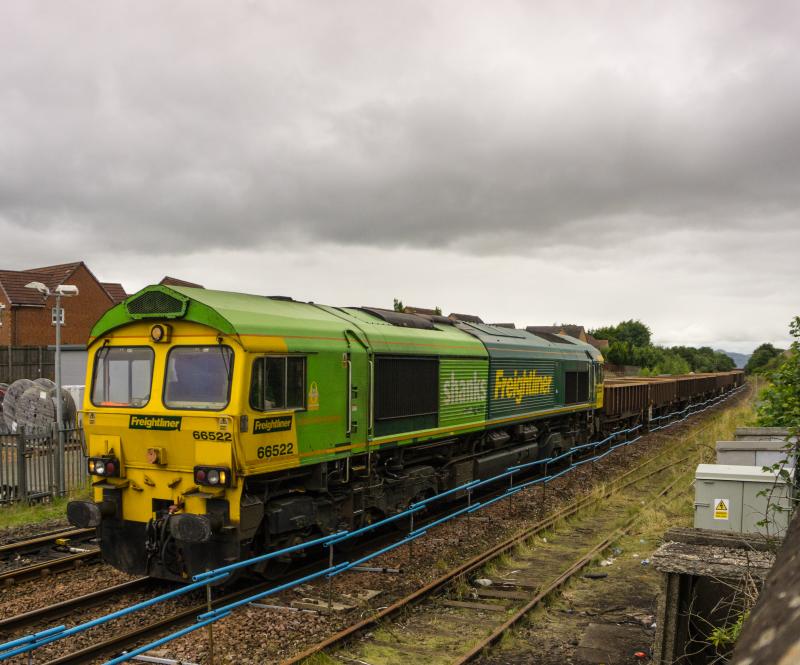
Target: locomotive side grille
406 394
155 304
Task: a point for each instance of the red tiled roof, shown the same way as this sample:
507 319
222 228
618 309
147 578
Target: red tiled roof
13 284
115 290
58 274
174 281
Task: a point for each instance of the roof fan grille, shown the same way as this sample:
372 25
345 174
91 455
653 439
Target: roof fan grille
155 303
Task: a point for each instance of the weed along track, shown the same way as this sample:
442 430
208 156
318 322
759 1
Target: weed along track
485 600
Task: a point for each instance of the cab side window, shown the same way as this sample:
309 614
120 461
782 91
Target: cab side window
278 382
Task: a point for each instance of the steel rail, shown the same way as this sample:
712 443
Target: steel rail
43 538
122 640
543 593
65 607
81 655
131 636
506 545
66 562
481 559
49 562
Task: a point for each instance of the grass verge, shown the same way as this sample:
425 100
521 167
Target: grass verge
21 514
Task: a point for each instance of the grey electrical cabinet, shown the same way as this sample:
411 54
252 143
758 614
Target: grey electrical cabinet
728 498
753 453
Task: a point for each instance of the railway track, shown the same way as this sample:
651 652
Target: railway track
147 630
48 553
126 638
135 635
513 593
66 608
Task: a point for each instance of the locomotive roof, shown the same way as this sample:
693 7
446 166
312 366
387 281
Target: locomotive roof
312 325
244 314
504 342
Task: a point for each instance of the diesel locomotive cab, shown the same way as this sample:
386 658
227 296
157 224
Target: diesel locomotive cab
161 433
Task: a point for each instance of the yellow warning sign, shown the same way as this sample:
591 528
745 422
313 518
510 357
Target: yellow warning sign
313 397
721 509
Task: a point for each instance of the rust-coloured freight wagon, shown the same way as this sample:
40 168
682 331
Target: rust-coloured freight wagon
624 398
648 397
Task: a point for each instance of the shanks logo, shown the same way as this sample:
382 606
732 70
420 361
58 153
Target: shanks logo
267 425
463 391
163 423
523 384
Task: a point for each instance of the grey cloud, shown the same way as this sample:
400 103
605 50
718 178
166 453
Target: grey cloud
599 161
415 125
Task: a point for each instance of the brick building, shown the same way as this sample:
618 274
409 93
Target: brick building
25 314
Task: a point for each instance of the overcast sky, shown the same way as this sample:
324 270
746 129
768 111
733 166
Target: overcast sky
532 162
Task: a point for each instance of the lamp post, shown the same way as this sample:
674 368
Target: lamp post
61 291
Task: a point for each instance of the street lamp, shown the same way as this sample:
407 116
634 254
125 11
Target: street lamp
61 291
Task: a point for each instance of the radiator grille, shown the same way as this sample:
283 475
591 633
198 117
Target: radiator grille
155 303
406 394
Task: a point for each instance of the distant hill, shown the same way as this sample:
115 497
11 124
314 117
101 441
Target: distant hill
739 358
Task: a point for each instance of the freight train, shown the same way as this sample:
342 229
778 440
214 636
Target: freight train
223 425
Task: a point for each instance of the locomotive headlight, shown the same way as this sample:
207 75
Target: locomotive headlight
160 332
103 466
215 476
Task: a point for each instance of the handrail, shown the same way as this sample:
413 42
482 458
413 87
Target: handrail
349 395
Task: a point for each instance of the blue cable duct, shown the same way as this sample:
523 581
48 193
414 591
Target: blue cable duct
39 639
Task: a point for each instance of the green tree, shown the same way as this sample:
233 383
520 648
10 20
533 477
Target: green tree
634 332
724 363
762 357
398 305
665 361
780 401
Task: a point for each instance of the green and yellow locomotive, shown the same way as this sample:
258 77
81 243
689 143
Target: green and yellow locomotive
221 425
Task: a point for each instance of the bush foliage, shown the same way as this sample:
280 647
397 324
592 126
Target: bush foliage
780 401
765 359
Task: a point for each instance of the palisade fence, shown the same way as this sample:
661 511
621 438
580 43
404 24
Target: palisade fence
26 362
35 466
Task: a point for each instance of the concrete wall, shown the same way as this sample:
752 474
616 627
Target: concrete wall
73 367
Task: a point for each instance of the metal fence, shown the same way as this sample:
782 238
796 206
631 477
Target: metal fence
26 362
36 466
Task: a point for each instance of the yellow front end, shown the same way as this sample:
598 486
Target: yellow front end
163 407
